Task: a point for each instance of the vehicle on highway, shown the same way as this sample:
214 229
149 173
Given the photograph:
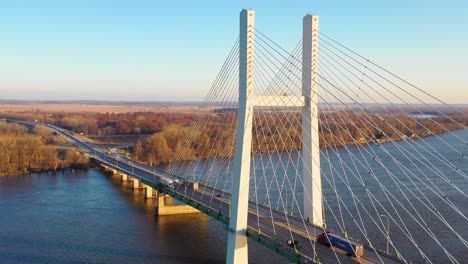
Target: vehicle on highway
350 247
293 243
168 182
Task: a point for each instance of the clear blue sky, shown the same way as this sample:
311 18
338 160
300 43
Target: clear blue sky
172 50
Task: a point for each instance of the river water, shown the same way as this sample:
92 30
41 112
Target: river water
90 217
364 186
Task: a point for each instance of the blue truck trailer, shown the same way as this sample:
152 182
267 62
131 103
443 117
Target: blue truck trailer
350 247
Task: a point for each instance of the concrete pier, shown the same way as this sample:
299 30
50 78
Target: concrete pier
150 192
165 206
164 209
123 177
115 172
135 183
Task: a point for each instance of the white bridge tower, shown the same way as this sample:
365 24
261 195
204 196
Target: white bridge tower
237 251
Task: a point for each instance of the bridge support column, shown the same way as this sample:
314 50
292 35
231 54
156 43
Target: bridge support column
115 172
123 177
135 183
164 209
150 192
237 250
313 202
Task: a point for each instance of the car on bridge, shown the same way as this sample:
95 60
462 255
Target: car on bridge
167 182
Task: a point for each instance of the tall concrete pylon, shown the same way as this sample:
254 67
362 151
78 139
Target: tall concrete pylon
237 251
311 176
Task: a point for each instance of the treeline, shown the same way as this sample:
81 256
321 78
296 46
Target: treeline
282 131
273 131
99 124
24 150
211 140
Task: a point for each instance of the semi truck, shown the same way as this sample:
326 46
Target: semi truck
350 247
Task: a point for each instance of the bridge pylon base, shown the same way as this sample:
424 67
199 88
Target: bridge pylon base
165 209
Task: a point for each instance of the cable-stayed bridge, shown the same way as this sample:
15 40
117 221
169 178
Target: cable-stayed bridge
292 145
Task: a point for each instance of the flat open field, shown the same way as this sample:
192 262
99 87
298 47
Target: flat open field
68 108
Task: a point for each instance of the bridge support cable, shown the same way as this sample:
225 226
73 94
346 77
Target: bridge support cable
353 164
411 181
415 166
418 110
222 96
212 174
422 157
386 98
375 125
226 74
225 101
406 153
390 93
260 68
218 89
276 80
402 80
423 195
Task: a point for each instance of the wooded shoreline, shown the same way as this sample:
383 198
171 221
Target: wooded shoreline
35 149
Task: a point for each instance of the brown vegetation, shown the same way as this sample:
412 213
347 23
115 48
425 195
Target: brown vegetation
215 138
136 123
23 150
165 131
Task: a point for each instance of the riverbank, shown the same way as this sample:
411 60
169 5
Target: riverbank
78 166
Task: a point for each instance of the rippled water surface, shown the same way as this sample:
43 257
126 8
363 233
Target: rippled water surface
404 181
89 217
